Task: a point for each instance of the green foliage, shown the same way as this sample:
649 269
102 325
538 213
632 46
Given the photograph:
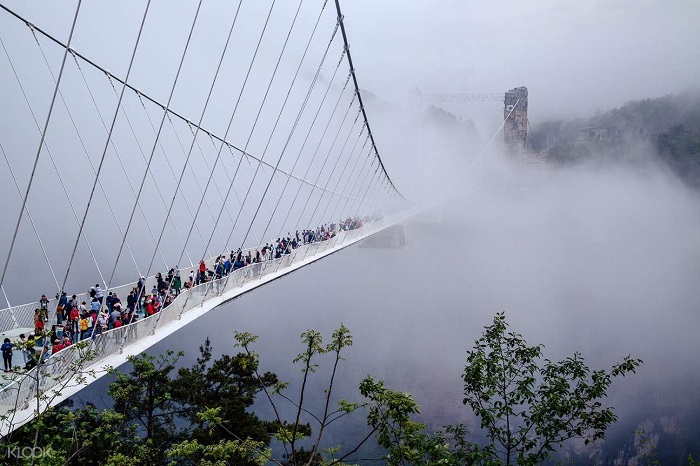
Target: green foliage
290 433
526 404
145 396
529 409
230 385
224 453
666 128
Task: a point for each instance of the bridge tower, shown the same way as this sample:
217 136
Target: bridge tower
515 114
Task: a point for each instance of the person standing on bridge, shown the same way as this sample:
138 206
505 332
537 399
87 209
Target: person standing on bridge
99 294
44 302
6 349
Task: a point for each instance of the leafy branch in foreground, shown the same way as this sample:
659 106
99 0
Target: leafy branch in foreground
528 409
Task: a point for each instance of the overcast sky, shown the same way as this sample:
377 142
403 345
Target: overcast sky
574 56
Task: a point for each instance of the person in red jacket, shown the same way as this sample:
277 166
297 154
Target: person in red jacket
57 346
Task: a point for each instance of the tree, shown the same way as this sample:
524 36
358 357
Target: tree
528 406
215 396
528 409
145 397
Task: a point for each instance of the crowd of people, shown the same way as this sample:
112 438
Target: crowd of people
76 321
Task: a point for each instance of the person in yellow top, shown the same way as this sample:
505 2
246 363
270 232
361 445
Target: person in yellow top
84 325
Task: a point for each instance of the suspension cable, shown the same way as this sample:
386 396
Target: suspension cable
51 159
364 163
155 144
301 149
230 123
80 138
342 172
31 220
357 90
104 124
335 165
194 139
77 132
323 136
152 99
255 122
218 190
328 154
184 198
350 177
299 113
109 137
41 144
491 140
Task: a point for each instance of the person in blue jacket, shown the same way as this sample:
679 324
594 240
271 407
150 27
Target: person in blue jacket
6 349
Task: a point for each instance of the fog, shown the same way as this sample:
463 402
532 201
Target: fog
599 258
601 261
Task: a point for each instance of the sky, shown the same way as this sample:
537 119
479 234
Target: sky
574 56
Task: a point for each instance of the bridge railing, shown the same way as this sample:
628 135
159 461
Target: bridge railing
63 366
22 316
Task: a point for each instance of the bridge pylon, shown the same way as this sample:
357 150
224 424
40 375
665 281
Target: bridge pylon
515 116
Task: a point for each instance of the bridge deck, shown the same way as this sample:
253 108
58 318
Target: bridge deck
70 370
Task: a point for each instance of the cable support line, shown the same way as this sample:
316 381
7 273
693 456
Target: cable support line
109 204
151 99
371 179
352 171
328 154
155 145
357 90
379 196
492 137
126 173
376 196
41 142
369 176
170 166
31 220
483 151
9 306
335 165
381 201
298 117
109 137
342 172
53 163
294 126
303 145
77 132
318 146
255 123
306 252
369 185
153 177
199 186
221 195
228 128
364 163
195 134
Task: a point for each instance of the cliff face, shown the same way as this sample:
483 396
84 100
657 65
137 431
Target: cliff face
666 130
515 116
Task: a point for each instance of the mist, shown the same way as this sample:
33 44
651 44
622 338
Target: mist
600 257
600 260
